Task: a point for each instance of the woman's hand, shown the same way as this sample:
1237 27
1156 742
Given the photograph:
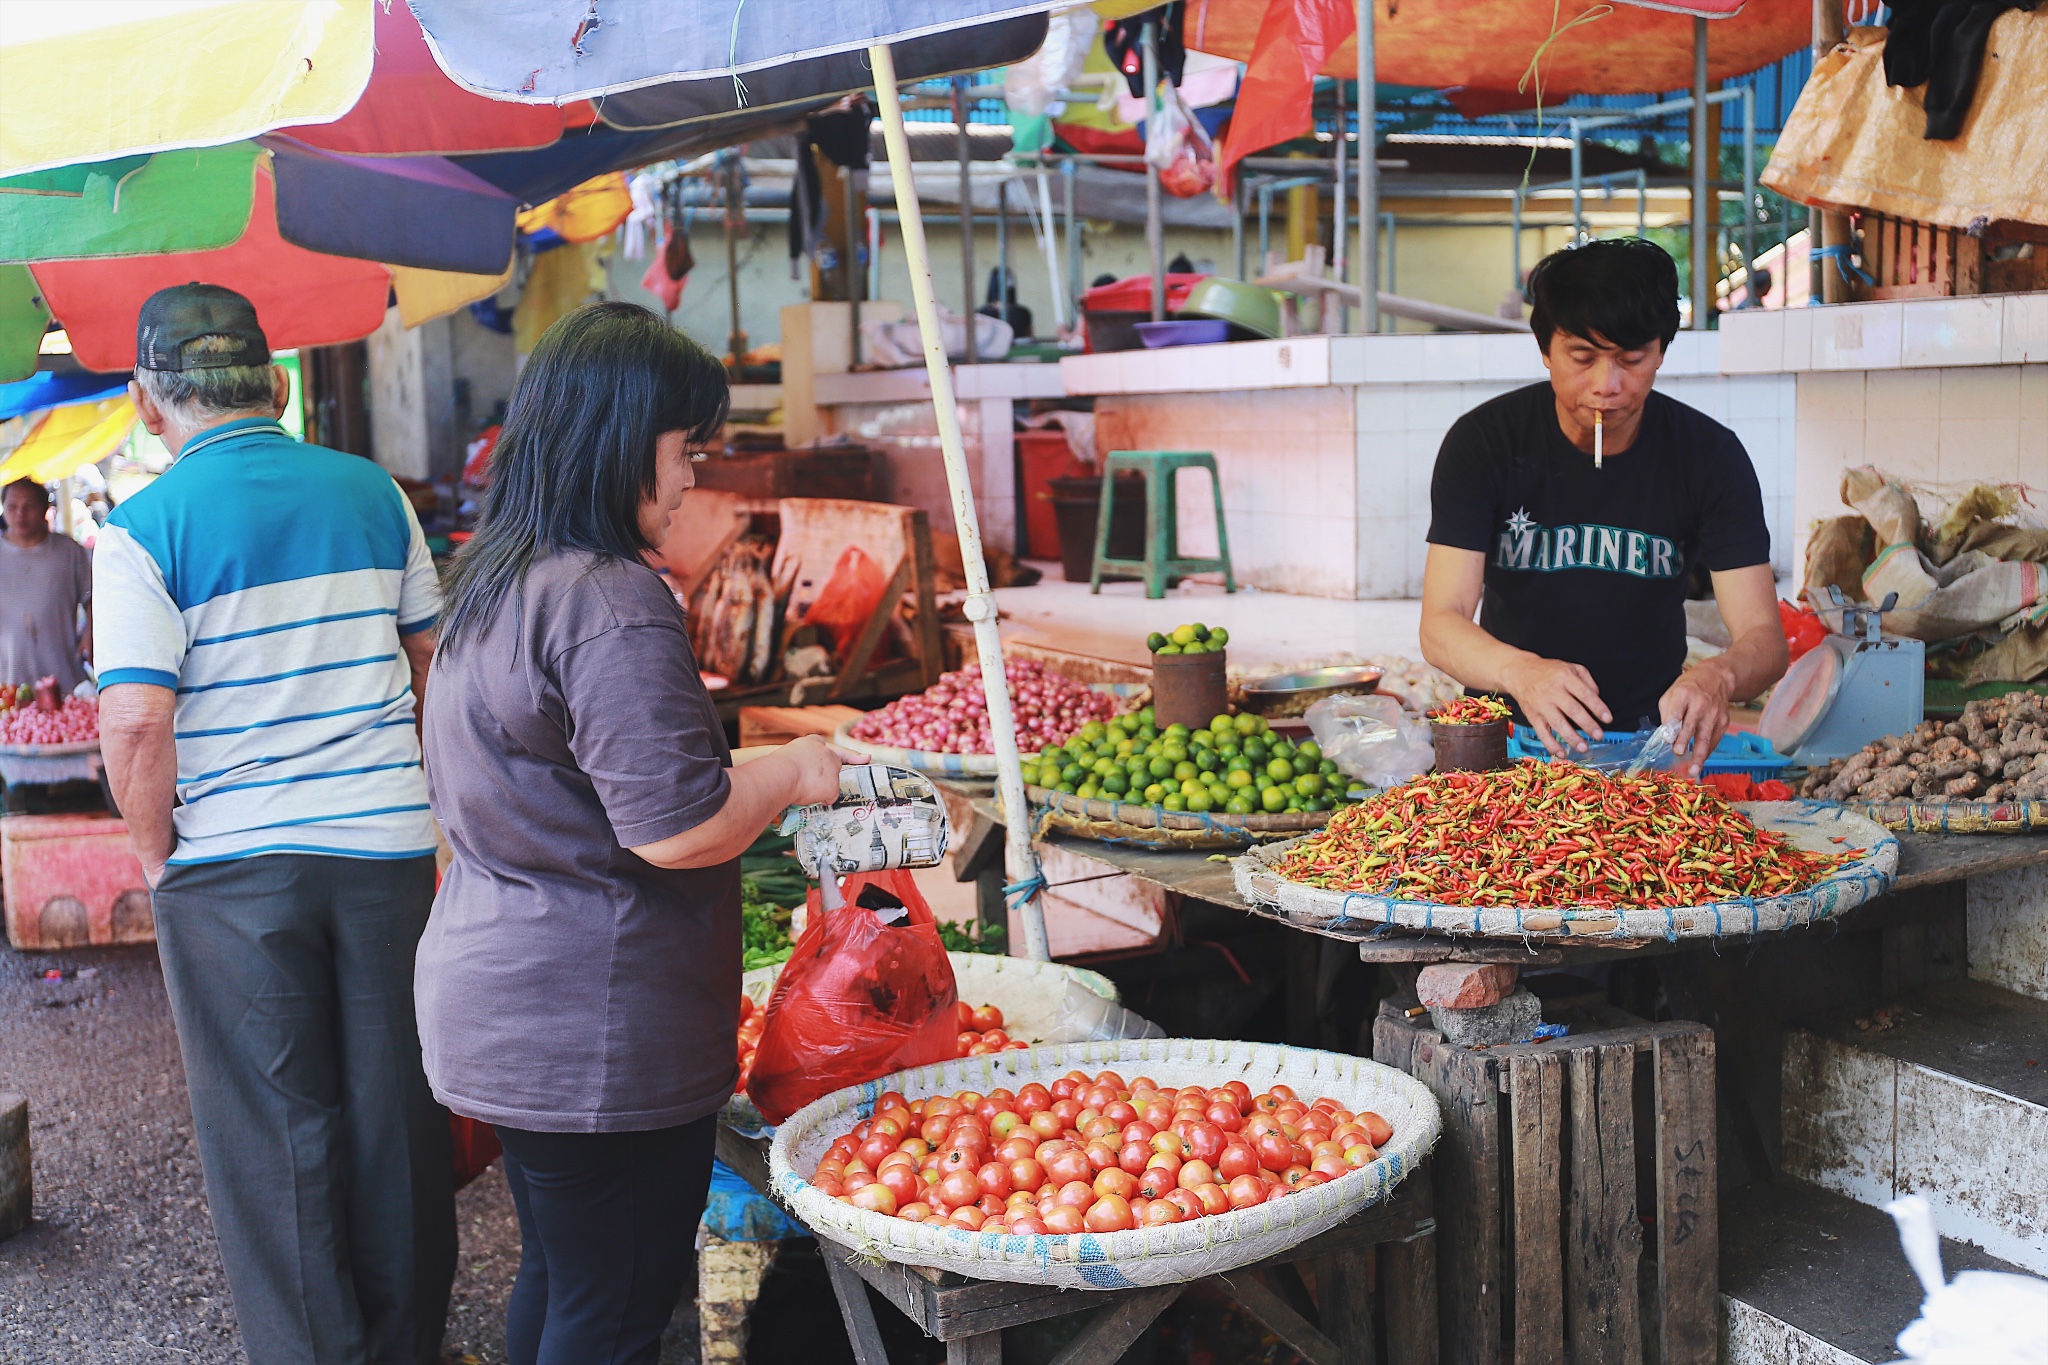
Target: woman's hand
1559 700
817 770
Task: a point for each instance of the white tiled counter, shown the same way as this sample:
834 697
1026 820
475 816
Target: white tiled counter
1942 392
1325 444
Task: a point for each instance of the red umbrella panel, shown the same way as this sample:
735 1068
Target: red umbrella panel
411 108
304 298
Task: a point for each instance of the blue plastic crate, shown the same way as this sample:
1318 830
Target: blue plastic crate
1740 751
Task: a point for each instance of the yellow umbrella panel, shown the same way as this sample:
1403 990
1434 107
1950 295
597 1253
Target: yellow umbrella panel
70 438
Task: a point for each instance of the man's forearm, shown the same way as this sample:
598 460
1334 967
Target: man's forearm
141 754
1461 648
1754 661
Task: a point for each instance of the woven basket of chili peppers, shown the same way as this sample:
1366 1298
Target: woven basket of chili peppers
1558 851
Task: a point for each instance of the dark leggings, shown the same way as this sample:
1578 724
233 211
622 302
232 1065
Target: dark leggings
607 1229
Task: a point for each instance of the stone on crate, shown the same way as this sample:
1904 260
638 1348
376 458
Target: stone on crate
1465 985
1512 1020
16 1200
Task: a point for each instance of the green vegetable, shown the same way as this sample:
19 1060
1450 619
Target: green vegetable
975 937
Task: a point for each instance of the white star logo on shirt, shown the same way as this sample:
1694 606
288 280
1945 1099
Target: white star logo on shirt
1520 524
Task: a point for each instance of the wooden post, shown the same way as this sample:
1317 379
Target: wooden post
1688 1202
1824 227
1535 1230
1604 1240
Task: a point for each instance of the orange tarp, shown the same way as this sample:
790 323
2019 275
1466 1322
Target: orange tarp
1485 46
1854 142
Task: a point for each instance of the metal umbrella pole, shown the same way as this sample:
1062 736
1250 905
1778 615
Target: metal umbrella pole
1026 881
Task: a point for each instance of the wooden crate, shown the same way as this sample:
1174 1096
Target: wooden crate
1912 260
70 881
827 472
1547 1150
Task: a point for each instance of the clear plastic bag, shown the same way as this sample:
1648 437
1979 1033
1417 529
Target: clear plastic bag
1372 739
1178 147
1082 1016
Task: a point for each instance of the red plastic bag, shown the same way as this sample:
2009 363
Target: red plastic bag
849 597
475 1145
1803 629
858 999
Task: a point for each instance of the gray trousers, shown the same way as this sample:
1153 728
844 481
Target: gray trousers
327 1160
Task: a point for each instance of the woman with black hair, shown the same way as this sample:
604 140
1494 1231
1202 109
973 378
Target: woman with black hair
578 983
1571 515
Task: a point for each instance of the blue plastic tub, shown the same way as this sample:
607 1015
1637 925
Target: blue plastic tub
1739 751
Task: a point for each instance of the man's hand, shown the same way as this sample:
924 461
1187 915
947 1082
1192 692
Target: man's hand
1558 699
1698 705
818 764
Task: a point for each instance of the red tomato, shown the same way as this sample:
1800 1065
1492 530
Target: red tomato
1238 1159
958 1187
1282 1092
902 1182
875 1198
1165 1161
1109 1214
933 1129
1035 1095
1101 1156
1064 1087
1206 1139
1096 1097
1069 1166
1172 1143
1142 1084
968 1217
1120 1112
1110 1079
1161 1212
965 1043
1293 1175
1026 1173
1047 1124
1075 1194
1246 1191
985 1018
1157 1114
1137 1130
1377 1129
829 1187
1015 1148
1242 1091
1067 1110
1214 1199
1117 1182
1330 1167
915 1212
1029 1226
995 1179
1224 1116
1195 1174
1359 1155
1187 1201
1275 1152
1132 1156
1065 1220
1156 1181
964 1013
990 1206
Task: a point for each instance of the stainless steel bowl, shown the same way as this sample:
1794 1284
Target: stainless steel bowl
1291 694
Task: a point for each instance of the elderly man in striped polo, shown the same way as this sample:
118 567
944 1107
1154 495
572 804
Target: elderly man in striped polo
266 618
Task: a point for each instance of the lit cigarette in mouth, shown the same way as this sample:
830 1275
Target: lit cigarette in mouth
1598 432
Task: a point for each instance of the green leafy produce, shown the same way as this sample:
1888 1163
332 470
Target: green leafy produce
772 885
975 937
1234 765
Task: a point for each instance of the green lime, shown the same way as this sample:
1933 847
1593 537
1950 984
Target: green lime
1167 649
1160 766
1261 781
1208 760
1200 800
1239 777
1309 784
1280 770
1202 739
1238 805
1273 799
1245 723
1072 773
1146 734
1094 731
1257 749
1145 716
1087 791
1155 793
1218 637
1237 763
1185 770
1309 751
1283 748
1174 801
1222 722
1155 642
1201 631
1328 767
1173 750
1116 784
1184 635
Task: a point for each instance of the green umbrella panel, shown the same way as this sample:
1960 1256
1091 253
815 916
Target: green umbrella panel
196 199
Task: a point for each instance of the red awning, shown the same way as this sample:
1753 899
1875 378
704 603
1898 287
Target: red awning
1485 46
303 298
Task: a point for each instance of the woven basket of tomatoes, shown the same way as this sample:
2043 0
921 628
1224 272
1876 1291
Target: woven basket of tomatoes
1106 1183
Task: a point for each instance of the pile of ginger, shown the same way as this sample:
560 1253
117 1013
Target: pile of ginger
1992 754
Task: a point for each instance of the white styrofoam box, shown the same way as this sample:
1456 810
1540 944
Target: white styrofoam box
1962 331
2025 336
1858 336
1873 1127
2008 930
1753 341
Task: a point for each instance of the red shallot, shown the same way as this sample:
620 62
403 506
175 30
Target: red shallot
74 722
951 716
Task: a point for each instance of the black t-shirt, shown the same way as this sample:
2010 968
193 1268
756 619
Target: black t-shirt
1591 566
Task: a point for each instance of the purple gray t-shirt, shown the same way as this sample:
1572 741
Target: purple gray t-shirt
564 984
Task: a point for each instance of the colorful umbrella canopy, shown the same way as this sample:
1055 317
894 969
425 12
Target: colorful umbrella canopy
1487 46
24 318
550 51
46 389
304 298
70 438
89 82
411 108
421 211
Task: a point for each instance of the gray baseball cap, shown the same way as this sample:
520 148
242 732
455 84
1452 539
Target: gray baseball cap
185 312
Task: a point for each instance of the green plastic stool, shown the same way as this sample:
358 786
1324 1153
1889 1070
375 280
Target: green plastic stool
1162 565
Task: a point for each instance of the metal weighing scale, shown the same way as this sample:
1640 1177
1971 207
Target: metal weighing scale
1857 685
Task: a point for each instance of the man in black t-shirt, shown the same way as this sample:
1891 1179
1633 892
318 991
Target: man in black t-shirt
1578 570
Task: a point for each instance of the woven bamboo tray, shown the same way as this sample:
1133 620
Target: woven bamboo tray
1957 817
1127 822
1171 1254
1811 825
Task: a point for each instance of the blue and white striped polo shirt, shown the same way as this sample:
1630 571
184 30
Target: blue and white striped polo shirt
268 582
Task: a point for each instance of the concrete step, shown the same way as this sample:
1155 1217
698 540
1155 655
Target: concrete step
1809 1277
1944 1094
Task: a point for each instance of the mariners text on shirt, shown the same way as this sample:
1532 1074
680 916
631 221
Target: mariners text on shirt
1527 546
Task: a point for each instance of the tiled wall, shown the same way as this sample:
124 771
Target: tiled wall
1401 427
908 436
1941 429
1288 463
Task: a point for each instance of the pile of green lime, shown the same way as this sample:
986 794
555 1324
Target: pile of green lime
1189 639
1237 764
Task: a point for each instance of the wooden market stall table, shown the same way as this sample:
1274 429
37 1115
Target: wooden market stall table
969 1315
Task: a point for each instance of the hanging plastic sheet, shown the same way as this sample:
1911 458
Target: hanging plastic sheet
87 82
